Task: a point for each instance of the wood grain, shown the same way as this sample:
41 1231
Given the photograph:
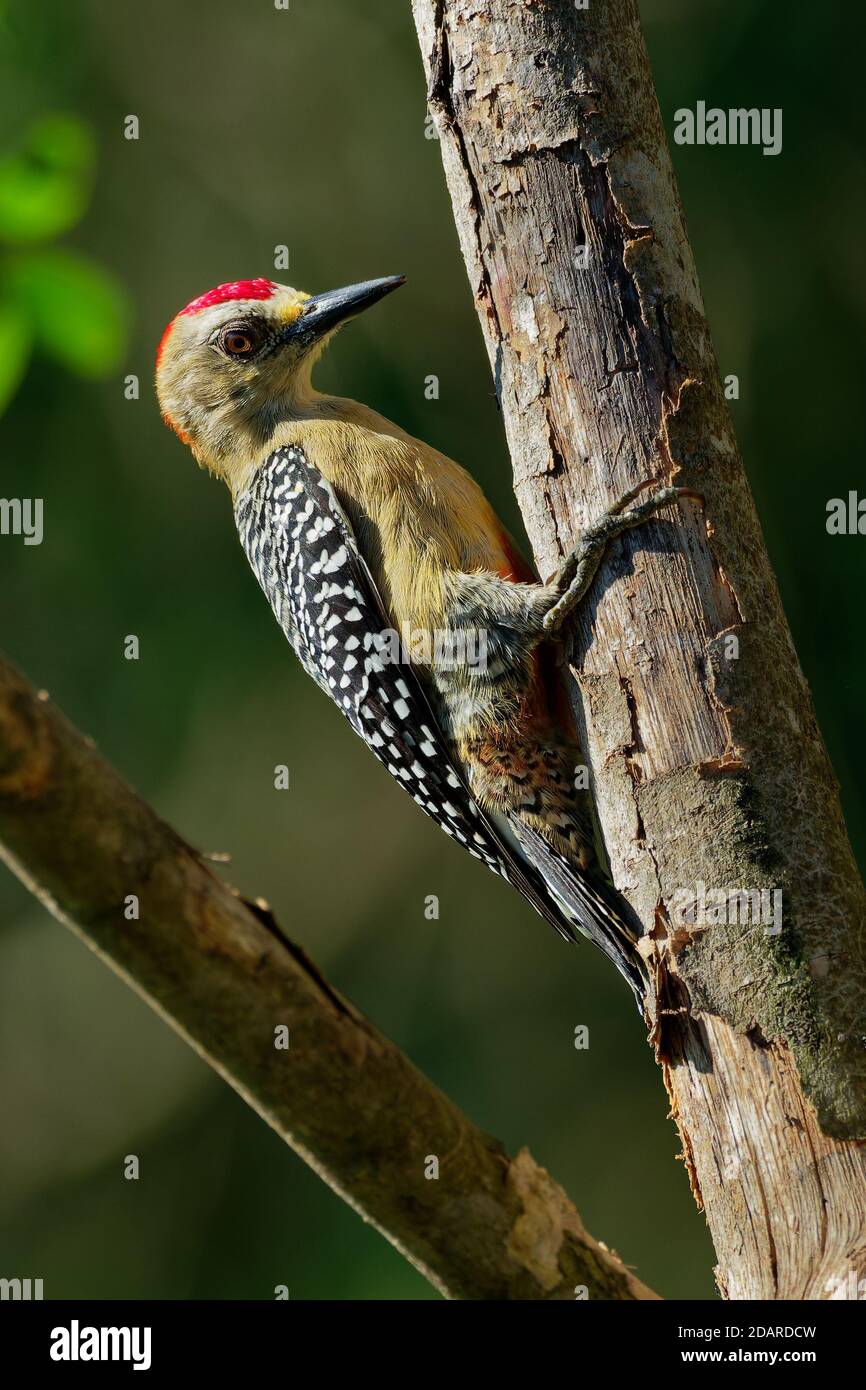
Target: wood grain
707 761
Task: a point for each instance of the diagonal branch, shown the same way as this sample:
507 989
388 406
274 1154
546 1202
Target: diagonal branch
220 971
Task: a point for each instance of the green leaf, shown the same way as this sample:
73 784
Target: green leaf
45 185
15 343
78 311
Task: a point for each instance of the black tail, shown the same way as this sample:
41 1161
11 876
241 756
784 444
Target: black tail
592 905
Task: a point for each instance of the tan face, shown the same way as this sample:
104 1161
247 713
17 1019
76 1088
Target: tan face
238 360
221 366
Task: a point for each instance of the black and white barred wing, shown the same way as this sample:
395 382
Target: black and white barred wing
303 552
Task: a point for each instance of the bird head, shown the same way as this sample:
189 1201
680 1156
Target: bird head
238 359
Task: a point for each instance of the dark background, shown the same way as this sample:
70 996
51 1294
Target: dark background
259 128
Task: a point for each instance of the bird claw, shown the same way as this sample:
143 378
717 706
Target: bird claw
577 572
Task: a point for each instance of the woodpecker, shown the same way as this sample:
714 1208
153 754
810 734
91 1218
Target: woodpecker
358 533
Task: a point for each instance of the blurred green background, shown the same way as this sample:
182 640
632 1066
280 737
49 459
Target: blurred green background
259 128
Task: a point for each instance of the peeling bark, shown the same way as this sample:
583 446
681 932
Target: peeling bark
222 973
708 766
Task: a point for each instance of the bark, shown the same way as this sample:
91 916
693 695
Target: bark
220 971
707 761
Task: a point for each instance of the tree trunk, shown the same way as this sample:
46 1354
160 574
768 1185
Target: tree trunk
708 765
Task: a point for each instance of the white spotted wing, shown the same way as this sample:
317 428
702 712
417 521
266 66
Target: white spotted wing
303 552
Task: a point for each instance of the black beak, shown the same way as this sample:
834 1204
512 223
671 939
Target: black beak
325 311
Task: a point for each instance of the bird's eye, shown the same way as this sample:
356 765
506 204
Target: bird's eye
238 342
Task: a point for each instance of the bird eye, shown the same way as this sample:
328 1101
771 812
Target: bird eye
238 342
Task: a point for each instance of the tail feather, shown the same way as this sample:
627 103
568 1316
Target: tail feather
591 905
